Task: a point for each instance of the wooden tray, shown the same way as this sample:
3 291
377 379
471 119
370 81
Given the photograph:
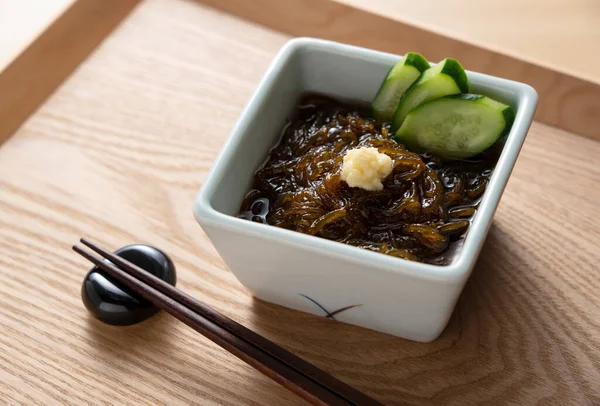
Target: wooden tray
556 52
41 43
118 152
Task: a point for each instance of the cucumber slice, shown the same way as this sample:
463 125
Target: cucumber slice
446 78
399 78
456 127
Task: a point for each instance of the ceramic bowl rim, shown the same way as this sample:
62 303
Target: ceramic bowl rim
459 269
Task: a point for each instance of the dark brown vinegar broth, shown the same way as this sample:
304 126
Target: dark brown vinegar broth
422 213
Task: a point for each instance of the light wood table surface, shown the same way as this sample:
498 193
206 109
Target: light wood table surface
559 34
118 152
530 41
21 22
41 43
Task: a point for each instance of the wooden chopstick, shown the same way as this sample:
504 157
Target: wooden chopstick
333 384
297 375
289 378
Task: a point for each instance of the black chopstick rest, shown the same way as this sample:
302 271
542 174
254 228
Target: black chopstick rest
295 374
115 304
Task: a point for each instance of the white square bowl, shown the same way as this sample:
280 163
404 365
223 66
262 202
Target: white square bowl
396 296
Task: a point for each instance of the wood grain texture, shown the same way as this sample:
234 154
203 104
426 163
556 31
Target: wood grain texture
542 32
567 101
41 43
118 153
